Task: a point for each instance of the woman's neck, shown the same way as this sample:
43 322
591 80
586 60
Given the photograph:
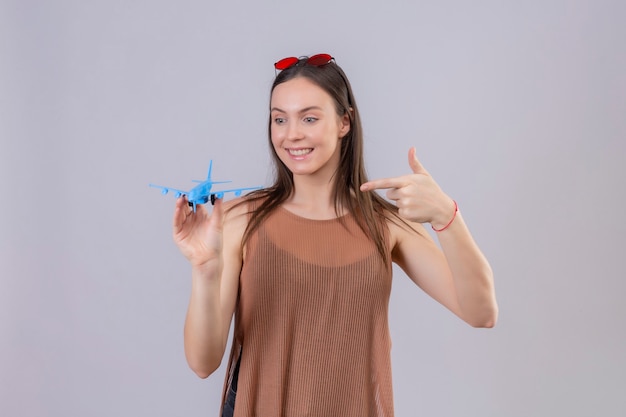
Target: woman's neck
312 199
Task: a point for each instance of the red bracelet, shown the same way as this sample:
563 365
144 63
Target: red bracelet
456 210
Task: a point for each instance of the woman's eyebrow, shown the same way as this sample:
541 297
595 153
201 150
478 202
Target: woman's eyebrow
304 110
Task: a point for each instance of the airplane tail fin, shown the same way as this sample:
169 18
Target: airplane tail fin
208 177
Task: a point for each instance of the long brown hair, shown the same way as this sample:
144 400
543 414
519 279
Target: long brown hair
368 208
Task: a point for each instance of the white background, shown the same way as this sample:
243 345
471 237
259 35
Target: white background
516 108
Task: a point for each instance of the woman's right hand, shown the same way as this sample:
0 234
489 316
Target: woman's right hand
198 235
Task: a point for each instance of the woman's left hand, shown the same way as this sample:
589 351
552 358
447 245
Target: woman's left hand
417 195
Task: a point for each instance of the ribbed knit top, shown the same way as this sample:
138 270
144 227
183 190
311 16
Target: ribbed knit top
311 322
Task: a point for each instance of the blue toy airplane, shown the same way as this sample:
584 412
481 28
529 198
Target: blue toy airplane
201 193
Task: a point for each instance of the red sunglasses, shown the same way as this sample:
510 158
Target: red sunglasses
315 60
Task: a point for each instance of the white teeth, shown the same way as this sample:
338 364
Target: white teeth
299 152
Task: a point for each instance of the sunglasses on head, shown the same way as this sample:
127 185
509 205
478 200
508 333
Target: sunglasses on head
315 60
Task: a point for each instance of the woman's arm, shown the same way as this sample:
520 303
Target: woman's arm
212 244
457 275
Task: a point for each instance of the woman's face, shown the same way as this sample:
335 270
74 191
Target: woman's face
305 128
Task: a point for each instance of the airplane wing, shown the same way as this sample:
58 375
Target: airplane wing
237 191
165 190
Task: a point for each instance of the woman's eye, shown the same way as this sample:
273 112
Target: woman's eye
310 119
279 120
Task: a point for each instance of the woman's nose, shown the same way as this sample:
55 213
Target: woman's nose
294 132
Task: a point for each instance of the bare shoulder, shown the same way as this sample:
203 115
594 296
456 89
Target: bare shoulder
407 233
236 210
236 217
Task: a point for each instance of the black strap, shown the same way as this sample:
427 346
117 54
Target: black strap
236 374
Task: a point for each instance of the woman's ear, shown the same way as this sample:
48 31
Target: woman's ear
345 123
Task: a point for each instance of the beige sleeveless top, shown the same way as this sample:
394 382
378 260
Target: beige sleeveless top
311 322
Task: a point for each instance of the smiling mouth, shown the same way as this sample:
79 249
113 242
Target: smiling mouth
300 152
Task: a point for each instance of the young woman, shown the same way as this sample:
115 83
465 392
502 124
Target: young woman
305 265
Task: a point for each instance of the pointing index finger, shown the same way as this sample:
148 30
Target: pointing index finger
382 184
